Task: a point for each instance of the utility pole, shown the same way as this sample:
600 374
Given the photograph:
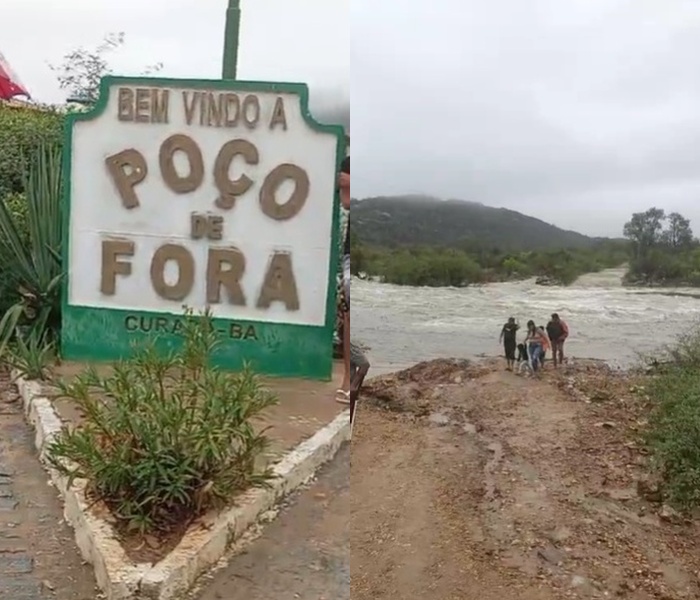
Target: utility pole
233 25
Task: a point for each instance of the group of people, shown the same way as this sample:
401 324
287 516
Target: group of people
538 341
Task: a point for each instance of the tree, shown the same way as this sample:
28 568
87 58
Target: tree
678 233
644 229
82 69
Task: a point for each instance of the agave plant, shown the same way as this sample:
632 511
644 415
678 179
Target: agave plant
31 251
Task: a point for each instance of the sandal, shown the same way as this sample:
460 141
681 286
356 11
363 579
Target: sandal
342 396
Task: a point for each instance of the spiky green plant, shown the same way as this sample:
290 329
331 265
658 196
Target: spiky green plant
30 247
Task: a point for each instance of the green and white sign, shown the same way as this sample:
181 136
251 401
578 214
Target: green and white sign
191 193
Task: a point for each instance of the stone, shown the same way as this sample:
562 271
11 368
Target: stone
551 555
19 588
14 564
668 514
439 419
7 504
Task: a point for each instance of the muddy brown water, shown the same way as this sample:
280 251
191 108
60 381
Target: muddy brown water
405 325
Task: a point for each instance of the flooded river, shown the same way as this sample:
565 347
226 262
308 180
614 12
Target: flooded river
404 325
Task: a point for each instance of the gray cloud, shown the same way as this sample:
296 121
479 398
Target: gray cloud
304 40
579 112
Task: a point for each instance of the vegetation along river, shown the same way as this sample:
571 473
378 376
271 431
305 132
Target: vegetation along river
402 325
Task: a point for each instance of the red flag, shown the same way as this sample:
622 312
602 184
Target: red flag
10 85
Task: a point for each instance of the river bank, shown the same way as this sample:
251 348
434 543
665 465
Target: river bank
469 481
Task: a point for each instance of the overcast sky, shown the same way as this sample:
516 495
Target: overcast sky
575 111
281 40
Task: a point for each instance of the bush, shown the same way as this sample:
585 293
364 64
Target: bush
674 432
165 438
30 248
22 130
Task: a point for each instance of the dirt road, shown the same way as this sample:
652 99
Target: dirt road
471 482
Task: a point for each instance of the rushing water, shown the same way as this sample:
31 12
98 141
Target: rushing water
404 325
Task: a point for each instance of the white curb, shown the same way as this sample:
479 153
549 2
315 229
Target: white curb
201 548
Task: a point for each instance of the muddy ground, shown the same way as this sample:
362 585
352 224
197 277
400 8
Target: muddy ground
471 482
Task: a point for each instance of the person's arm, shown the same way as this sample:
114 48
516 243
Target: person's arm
500 337
565 330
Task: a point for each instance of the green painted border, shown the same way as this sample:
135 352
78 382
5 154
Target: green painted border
282 349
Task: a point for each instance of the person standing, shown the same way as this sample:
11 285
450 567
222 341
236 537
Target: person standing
558 331
343 394
508 338
537 342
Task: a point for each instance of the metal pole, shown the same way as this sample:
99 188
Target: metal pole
233 25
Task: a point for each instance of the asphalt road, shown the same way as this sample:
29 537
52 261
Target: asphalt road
303 554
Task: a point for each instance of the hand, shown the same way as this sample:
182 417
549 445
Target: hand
344 182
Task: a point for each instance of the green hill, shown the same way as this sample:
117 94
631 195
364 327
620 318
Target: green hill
421 220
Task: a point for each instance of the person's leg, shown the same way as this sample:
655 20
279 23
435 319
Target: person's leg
555 353
360 368
343 394
561 353
536 356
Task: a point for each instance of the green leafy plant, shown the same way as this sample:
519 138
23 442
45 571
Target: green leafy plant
673 435
31 357
165 436
30 244
22 131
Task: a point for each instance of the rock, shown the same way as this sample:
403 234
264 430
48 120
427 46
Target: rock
559 535
668 514
440 419
550 554
469 428
649 489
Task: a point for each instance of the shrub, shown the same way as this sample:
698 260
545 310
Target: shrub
30 248
22 130
165 438
674 424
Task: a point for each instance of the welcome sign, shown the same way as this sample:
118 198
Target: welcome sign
218 194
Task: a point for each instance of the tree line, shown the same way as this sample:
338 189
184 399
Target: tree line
472 262
663 249
659 249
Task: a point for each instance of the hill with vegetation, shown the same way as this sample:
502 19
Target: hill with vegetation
418 240
424 221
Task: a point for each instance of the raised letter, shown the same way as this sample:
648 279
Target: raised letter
228 189
111 267
125 110
160 102
189 105
118 164
181 143
251 101
268 191
232 110
185 267
230 277
142 105
279 284
278 115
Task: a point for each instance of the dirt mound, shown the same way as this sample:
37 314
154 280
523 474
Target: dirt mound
410 390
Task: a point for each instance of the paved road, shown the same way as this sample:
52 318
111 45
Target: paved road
303 554
38 557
